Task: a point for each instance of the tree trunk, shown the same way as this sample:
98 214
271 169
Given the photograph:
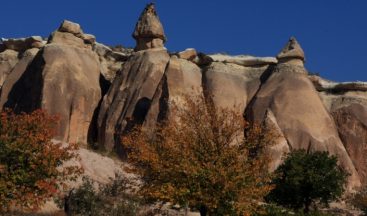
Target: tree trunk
203 210
307 206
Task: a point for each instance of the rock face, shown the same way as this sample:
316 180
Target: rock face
292 53
63 79
298 110
128 100
149 32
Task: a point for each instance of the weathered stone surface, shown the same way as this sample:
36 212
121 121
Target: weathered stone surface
351 121
244 60
8 59
66 38
111 61
16 74
71 27
181 79
292 53
89 39
128 100
337 87
300 114
232 86
63 79
149 31
22 44
280 147
188 54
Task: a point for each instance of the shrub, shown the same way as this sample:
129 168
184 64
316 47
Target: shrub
101 200
359 200
199 159
305 178
30 164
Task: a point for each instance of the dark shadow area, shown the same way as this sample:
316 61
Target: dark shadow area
26 94
93 127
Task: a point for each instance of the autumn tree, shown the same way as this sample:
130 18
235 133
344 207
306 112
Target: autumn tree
30 163
200 159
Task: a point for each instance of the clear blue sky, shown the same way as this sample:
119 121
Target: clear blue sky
333 33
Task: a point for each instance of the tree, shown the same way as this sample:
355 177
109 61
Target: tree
30 164
199 159
305 178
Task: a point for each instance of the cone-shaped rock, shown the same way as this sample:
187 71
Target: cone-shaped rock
149 31
299 112
292 53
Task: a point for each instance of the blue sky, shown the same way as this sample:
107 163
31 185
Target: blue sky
333 33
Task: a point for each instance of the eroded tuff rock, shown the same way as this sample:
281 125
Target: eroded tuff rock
181 79
8 59
299 112
149 31
244 60
292 53
351 121
22 44
230 85
129 97
63 79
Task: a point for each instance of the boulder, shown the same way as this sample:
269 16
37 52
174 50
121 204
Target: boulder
66 38
188 54
129 97
71 27
149 31
89 39
300 114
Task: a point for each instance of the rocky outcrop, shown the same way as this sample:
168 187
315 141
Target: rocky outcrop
63 79
8 59
298 110
351 121
230 85
22 44
128 99
149 31
244 60
111 61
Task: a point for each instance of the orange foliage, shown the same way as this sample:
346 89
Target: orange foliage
201 159
30 164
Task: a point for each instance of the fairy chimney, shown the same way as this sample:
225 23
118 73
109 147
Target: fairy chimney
292 53
149 31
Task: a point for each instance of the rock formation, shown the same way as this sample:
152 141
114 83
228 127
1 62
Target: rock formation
63 78
149 32
302 117
101 92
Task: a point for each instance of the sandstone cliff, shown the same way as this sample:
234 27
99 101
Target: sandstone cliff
100 93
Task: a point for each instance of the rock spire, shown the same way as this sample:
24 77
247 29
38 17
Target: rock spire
149 31
292 53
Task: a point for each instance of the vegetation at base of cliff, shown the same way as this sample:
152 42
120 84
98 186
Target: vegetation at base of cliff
200 159
30 164
307 178
359 200
95 199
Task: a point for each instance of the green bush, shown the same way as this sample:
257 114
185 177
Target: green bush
307 178
101 200
359 200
